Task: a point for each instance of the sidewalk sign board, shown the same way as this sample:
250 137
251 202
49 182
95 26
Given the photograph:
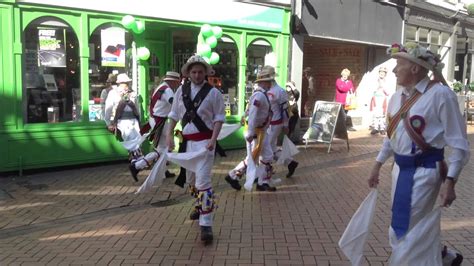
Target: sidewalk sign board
328 121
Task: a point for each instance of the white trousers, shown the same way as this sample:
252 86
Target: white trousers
130 129
152 156
266 157
427 183
201 179
273 133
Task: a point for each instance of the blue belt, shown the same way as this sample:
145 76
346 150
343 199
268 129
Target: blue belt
402 200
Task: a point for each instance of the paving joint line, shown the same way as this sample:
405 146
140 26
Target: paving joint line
36 227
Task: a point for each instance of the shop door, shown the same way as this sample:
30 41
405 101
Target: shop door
156 63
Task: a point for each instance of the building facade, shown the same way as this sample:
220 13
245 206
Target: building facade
55 57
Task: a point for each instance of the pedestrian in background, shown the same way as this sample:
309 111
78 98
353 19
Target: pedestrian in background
293 109
378 103
343 87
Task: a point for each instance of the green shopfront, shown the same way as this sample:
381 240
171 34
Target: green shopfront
53 68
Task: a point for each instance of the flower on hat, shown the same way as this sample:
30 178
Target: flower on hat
419 55
416 51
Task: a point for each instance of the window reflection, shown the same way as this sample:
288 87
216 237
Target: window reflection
259 54
109 56
227 74
51 72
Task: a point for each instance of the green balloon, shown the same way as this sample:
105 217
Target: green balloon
214 58
143 53
128 22
211 41
206 30
470 9
217 31
139 27
204 50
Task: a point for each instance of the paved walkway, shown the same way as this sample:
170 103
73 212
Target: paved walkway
92 216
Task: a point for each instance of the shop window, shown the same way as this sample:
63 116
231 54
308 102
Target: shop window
227 74
154 68
184 46
410 34
259 54
423 35
110 55
51 72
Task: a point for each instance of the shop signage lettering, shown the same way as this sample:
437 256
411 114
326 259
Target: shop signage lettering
340 52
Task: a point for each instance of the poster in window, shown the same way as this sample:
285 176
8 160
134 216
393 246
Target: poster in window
52 50
113 47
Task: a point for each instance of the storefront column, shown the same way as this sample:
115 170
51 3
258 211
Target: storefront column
296 66
242 69
450 60
83 36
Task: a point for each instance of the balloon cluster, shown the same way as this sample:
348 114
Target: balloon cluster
207 39
138 27
470 9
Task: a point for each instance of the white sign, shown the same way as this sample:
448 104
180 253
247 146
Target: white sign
113 47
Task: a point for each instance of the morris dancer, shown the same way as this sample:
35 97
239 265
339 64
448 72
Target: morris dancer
258 141
200 108
160 107
423 118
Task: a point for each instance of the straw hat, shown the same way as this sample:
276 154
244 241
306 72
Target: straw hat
265 75
291 84
171 75
112 78
419 55
123 78
196 59
270 69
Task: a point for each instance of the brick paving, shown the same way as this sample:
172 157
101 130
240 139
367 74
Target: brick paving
92 216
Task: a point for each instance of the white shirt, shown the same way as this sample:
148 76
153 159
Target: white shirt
444 126
211 109
162 107
259 108
278 100
111 102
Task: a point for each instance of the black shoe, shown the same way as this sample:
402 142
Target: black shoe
134 171
265 187
449 260
458 260
291 168
194 215
351 129
206 234
233 183
374 131
168 174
